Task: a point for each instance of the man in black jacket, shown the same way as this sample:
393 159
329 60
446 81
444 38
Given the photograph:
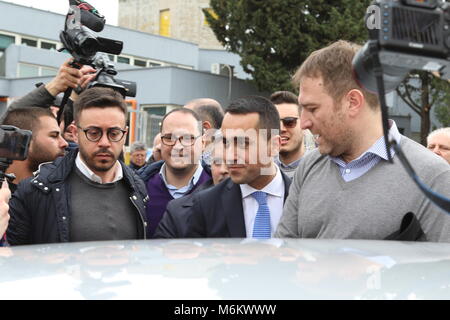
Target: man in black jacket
88 195
249 203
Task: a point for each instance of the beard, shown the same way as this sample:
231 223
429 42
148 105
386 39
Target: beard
98 165
40 155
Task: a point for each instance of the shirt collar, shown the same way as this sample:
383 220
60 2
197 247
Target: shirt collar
192 182
84 169
292 165
379 147
275 187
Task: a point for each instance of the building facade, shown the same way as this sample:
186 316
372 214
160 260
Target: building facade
168 72
178 19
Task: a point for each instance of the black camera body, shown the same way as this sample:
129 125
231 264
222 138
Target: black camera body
409 35
14 144
105 77
83 45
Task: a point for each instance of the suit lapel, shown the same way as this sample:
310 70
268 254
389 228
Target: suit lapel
287 183
233 210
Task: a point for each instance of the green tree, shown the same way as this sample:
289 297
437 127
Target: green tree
274 37
422 91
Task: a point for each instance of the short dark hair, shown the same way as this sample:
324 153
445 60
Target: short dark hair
186 111
269 118
280 97
26 118
98 97
211 113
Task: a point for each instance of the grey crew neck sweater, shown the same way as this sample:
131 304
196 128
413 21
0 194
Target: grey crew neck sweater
100 211
322 205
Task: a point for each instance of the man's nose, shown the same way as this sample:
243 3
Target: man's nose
305 122
437 150
62 143
104 141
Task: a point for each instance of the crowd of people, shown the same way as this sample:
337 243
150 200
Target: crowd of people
308 166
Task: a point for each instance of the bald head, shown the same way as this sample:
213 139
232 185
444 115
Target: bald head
209 110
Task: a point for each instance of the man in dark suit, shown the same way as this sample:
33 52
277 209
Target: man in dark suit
174 221
249 203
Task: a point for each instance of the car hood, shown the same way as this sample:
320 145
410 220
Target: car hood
227 269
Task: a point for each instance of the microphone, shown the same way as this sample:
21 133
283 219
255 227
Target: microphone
92 21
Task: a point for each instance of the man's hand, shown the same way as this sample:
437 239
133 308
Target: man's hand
5 195
69 77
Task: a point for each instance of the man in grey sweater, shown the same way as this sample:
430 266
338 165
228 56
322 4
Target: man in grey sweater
347 189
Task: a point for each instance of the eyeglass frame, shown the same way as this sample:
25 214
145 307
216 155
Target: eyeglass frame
180 140
294 119
85 130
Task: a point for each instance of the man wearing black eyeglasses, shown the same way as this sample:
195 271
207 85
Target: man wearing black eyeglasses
88 195
294 142
181 171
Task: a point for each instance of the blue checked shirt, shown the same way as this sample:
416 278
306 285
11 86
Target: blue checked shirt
369 159
179 192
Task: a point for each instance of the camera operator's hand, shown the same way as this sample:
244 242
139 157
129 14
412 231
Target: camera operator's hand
88 75
5 195
67 77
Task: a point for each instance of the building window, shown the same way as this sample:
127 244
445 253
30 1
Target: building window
212 13
140 63
48 71
154 64
5 41
164 23
111 57
123 60
29 42
28 70
48 45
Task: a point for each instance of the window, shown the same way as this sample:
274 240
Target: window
29 42
5 41
164 23
111 57
48 71
48 45
28 70
212 13
154 64
123 60
140 63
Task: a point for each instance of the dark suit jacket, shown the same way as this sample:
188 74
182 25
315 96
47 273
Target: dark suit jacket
218 213
174 221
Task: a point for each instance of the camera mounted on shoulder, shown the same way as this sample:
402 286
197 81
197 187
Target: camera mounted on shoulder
404 35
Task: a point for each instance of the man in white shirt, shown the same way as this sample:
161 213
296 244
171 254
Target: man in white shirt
249 203
88 195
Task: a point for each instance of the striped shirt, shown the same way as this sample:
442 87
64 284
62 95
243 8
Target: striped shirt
369 159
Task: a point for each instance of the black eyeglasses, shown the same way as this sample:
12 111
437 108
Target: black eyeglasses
94 134
186 140
289 122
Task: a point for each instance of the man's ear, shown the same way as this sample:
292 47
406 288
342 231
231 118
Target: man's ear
355 101
72 128
275 144
206 125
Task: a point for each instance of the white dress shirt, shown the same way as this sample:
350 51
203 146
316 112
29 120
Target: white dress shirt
275 200
92 176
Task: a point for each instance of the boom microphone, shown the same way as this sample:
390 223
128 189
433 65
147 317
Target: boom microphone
92 21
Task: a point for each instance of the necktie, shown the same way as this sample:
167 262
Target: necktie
261 228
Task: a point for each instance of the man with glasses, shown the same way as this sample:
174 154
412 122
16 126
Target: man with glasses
181 170
88 195
294 141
